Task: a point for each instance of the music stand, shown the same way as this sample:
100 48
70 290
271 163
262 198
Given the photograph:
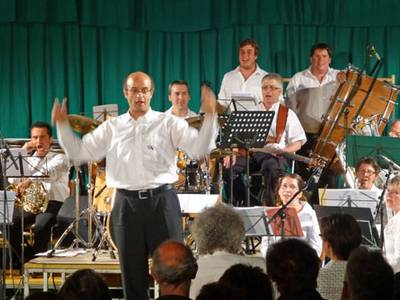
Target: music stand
255 225
246 129
244 102
349 198
363 217
6 202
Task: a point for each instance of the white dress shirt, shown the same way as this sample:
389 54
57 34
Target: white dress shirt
234 82
140 154
310 98
56 167
293 130
392 242
189 114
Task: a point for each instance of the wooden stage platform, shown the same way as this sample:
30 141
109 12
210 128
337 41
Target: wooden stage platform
55 269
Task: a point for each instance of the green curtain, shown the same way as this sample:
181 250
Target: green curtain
84 49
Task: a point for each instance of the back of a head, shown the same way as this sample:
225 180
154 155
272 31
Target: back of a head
42 296
218 228
368 275
252 280
220 291
342 232
173 263
84 284
293 265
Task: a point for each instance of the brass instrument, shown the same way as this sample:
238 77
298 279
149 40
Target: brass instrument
34 199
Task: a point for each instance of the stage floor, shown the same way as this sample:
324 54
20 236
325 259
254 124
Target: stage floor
55 269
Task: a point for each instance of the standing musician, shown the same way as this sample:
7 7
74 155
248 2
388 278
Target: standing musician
247 76
44 161
286 135
140 150
179 95
318 75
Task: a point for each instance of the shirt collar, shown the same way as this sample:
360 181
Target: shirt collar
258 70
148 116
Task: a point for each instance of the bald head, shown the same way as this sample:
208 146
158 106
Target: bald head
138 91
173 263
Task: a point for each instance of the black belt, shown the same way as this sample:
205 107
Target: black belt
149 193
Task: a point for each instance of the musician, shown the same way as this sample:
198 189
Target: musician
288 137
395 129
140 150
318 76
43 161
367 170
246 77
179 95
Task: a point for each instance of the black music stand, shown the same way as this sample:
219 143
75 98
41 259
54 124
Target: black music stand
246 129
363 217
255 224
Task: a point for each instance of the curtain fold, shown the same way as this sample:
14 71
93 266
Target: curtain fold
59 49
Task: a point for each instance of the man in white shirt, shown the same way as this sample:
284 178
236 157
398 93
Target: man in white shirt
43 162
140 147
246 78
321 81
271 164
179 95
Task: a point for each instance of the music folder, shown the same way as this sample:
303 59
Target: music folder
292 226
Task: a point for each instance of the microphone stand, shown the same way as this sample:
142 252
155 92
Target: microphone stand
379 206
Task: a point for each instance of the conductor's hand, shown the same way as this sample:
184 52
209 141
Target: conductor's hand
208 100
59 112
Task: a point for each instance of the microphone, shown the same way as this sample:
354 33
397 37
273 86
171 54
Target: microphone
391 163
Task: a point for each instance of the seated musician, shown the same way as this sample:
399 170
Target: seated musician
286 135
43 161
286 188
395 129
367 170
179 95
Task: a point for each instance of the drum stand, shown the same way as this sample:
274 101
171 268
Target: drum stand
104 241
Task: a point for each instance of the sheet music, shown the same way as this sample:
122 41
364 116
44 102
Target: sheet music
22 167
349 197
196 203
103 112
245 102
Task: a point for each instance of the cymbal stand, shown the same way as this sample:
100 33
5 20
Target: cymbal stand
105 240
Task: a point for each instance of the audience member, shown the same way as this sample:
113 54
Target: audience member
173 268
42 296
219 291
368 276
218 232
252 280
340 234
293 265
84 284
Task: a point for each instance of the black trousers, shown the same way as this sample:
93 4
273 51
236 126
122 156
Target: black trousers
138 227
271 167
42 230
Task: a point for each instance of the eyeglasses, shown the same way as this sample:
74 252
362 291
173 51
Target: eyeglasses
367 172
143 91
271 87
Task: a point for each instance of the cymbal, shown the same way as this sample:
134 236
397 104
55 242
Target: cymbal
82 124
197 121
220 153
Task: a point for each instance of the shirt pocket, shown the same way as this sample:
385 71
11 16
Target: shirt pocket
155 153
